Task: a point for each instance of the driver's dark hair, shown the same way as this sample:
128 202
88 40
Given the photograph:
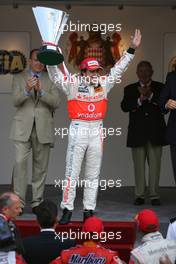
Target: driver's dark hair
47 214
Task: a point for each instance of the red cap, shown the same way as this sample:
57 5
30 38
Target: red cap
90 64
148 221
93 225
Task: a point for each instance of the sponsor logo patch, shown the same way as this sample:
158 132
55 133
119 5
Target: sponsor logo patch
91 63
90 258
83 89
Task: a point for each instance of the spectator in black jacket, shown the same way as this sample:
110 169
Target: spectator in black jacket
43 248
145 131
168 105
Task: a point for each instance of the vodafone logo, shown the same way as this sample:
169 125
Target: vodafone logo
91 107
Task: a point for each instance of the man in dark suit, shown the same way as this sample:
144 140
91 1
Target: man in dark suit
168 104
46 246
145 131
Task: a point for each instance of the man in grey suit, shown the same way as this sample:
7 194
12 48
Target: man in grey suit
36 99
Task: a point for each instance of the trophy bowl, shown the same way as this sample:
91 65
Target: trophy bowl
49 56
50 23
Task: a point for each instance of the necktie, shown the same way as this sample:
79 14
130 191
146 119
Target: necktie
35 92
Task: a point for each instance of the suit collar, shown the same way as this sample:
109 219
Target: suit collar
47 230
148 84
139 83
48 233
152 84
31 73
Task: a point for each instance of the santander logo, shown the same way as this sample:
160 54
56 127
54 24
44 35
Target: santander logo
91 107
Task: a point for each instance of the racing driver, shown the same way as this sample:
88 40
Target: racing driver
87 104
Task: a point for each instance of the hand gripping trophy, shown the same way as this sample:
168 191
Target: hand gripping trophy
51 23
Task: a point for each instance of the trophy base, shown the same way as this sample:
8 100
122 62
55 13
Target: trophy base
49 56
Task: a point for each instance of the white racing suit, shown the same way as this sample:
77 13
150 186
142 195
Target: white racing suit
87 107
154 248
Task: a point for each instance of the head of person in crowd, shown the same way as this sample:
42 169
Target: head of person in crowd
10 205
47 214
90 70
144 72
147 221
92 228
35 65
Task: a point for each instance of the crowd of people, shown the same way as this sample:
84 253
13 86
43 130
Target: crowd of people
47 248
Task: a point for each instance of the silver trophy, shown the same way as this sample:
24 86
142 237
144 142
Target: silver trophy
51 23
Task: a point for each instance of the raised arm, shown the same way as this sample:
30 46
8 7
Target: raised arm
121 66
58 78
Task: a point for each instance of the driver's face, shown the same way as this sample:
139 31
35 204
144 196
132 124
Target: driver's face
93 75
